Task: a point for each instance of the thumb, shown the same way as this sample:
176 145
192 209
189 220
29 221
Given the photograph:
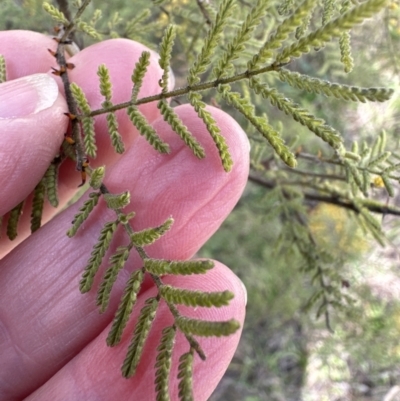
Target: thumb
32 126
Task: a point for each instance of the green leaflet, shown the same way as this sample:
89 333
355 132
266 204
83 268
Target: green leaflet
167 43
39 194
142 329
3 70
177 125
117 262
89 29
161 267
117 201
164 362
51 182
125 307
150 235
339 91
185 374
97 176
99 250
195 298
205 328
55 13
13 220
147 130
213 129
138 74
84 212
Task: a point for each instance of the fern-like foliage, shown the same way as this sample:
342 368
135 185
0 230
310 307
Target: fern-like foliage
239 68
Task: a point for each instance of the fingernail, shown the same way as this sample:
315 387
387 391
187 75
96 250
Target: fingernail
27 95
245 292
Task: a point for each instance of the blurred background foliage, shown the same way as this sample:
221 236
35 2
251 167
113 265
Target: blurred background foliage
286 352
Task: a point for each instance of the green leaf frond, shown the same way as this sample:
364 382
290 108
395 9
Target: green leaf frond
339 91
329 7
163 363
138 73
237 45
302 29
177 125
303 116
344 42
165 52
147 130
213 129
185 374
97 177
117 262
116 138
89 138
282 32
388 185
203 60
39 194
379 159
335 28
195 298
13 219
89 29
84 212
125 308
204 328
97 255
51 182
151 235
55 13
119 201
105 82
247 109
3 69
162 267
369 222
142 329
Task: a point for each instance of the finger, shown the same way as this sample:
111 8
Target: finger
31 131
61 321
82 378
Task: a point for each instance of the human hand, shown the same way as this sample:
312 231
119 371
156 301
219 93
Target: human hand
52 338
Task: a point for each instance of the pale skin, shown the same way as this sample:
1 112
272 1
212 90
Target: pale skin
52 338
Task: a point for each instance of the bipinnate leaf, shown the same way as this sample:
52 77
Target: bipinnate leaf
203 60
13 220
213 129
88 29
185 376
247 109
167 42
117 262
175 295
97 255
142 329
163 363
117 201
334 28
3 70
303 116
55 13
138 74
125 307
84 212
151 235
160 267
177 125
205 328
147 130
89 138
116 139
39 194
51 182
339 91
